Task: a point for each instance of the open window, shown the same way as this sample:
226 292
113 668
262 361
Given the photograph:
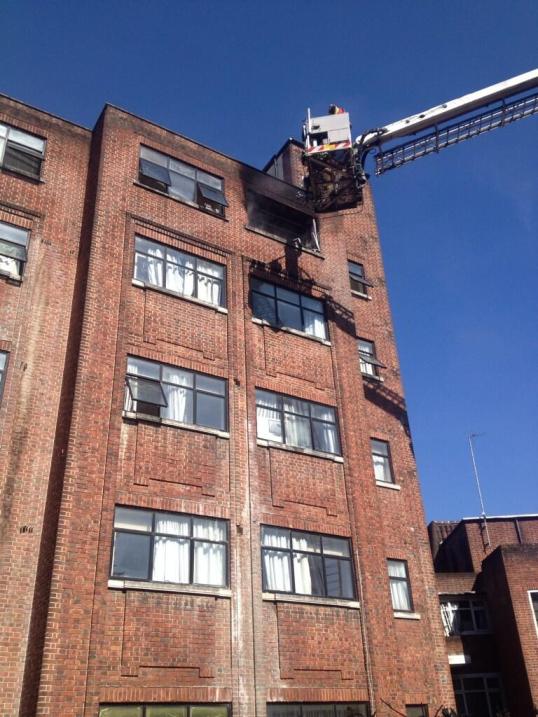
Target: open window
182 181
368 360
281 221
20 152
13 250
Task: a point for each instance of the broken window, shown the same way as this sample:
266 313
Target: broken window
182 181
21 152
13 250
281 221
464 616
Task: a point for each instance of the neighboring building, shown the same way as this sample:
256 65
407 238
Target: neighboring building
210 501
487 578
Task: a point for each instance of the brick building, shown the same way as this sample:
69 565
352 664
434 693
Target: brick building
210 501
487 578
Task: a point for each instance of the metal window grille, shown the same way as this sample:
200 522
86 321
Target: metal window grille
136 533
283 307
295 422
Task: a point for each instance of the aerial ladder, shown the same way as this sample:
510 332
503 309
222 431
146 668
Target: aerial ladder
336 164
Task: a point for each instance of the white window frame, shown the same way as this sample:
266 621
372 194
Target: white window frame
534 611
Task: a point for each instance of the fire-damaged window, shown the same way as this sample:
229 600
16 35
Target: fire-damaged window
281 221
20 152
13 250
306 563
182 181
154 389
463 616
318 709
169 547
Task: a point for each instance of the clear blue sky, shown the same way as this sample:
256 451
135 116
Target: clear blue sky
459 230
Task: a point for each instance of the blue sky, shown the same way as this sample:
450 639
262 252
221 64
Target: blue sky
459 230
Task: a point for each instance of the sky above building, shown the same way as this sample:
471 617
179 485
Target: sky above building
459 231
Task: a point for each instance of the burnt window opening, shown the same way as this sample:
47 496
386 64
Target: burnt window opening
282 222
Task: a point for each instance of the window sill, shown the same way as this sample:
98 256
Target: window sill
181 201
289 330
386 484
296 449
361 295
131 415
311 600
282 241
193 299
369 377
401 615
151 586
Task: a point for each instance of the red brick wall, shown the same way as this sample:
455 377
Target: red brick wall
36 330
105 644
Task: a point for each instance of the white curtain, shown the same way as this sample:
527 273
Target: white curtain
400 595
277 570
180 278
171 560
314 324
380 468
10 266
298 431
209 290
269 424
325 437
149 262
179 401
209 564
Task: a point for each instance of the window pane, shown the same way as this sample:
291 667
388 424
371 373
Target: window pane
210 411
209 528
121 711
307 542
148 269
297 431
208 179
276 566
145 390
213 195
209 711
312 304
133 519
182 187
382 469
139 367
295 405
265 398
319 710
354 709
171 560
172 524
213 385
177 376
210 290
325 437
291 297
308 574
155 171
380 447
276 537
180 279
366 347
153 156
269 424
338 576
335 546
290 316
3 357
481 619
314 324
264 307
13 234
416 710
27 140
397 569
209 564
182 168
180 404
283 711
263 287
325 413
131 556
166 711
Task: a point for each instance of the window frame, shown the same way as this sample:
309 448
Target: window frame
334 705
194 389
473 602
292 551
359 277
311 420
199 200
3 372
533 599
369 359
196 271
414 708
21 263
406 580
192 540
276 299
459 691
388 462
144 705
6 143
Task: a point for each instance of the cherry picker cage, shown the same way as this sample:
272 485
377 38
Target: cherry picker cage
335 163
